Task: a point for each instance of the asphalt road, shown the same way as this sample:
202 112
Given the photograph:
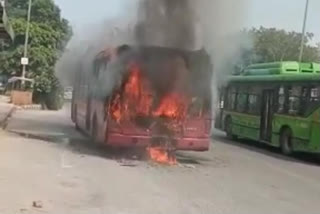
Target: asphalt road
43 159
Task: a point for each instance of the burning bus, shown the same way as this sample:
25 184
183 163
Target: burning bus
152 97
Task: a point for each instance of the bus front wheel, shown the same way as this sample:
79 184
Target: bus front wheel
228 129
286 142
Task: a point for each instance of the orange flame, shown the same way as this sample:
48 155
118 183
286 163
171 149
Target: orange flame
137 99
115 108
161 155
172 106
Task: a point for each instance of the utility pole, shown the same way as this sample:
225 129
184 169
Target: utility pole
25 53
304 30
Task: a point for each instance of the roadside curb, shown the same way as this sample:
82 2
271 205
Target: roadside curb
4 122
29 107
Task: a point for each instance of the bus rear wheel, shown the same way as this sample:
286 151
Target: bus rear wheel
228 129
286 141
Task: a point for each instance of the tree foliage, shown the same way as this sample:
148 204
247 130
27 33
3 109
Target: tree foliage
271 44
49 34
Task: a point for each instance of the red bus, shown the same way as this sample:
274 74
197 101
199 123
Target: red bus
137 97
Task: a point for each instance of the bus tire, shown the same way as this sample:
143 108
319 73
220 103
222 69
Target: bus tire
228 129
94 130
285 141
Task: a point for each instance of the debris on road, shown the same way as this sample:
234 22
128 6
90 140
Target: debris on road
128 163
190 166
37 204
23 210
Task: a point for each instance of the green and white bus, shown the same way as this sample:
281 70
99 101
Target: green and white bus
274 103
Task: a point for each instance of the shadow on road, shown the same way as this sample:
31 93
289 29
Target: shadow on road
56 127
84 146
300 157
191 158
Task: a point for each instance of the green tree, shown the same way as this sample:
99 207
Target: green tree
271 44
49 34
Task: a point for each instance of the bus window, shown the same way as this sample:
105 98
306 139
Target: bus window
294 100
231 102
315 94
97 67
242 101
281 100
221 99
305 96
310 100
253 104
196 107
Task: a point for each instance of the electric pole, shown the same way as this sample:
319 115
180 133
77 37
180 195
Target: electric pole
304 31
25 53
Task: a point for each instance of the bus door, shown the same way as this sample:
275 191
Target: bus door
266 115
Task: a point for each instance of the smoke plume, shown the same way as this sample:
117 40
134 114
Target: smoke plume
166 23
185 24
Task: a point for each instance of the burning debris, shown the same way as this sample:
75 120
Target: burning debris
162 155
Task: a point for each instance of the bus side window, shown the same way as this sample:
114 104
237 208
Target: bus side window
231 102
294 100
96 69
242 101
310 100
222 98
282 101
99 66
315 94
253 104
305 97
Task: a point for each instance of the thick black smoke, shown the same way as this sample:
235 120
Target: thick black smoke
209 25
166 23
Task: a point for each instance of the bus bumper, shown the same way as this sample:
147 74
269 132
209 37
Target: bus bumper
183 144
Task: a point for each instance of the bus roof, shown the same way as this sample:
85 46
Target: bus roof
270 78
279 71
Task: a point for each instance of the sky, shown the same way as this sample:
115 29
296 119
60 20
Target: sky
286 14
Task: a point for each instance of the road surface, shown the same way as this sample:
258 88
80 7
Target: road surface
43 160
